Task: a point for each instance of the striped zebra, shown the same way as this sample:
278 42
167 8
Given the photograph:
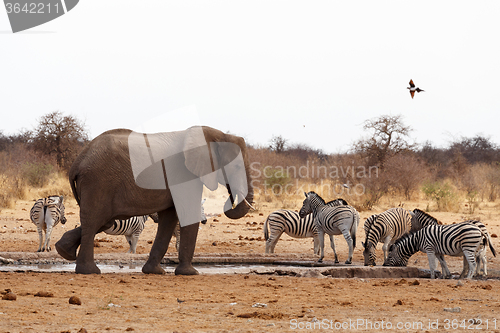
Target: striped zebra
332 221
290 222
436 241
46 213
177 230
385 228
131 228
422 219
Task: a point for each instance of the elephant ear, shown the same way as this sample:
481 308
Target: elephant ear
197 158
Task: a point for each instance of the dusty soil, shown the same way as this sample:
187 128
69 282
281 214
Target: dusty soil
118 302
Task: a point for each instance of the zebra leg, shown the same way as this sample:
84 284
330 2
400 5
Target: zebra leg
350 243
471 259
431 257
132 242
167 220
49 222
316 245
465 268
444 266
272 241
332 244
177 235
321 235
40 238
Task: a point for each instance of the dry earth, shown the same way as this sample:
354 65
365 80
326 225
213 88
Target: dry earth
118 302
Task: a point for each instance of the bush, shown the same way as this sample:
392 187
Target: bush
444 194
36 174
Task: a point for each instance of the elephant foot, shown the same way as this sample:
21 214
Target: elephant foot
69 243
90 268
152 269
348 262
186 269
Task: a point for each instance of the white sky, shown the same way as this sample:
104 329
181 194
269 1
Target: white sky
260 68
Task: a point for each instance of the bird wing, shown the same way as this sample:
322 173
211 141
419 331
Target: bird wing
412 93
412 84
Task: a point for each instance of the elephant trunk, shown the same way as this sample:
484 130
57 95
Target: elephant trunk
242 208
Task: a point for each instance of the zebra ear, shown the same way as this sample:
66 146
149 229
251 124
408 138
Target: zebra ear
363 244
305 194
391 248
62 198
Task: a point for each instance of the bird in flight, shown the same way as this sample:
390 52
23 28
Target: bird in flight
413 89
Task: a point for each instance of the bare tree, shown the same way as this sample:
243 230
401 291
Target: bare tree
389 136
407 173
278 144
60 136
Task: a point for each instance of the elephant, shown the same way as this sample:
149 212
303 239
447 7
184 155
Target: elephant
122 173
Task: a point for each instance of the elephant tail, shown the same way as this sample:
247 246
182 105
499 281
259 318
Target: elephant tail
72 182
266 231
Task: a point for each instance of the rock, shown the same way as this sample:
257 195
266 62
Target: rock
494 236
487 287
82 330
75 300
259 305
312 273
10 296
44 294
454 310
459 284
399 302
414 283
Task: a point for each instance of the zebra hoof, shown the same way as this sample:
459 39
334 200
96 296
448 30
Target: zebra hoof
348 262
337 261
321 260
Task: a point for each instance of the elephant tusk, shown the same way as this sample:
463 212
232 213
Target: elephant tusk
249 205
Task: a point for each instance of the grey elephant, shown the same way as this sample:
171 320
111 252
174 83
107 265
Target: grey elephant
122 173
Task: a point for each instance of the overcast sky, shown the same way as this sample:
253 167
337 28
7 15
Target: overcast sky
310 71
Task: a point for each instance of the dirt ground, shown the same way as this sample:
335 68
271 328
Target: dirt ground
118 302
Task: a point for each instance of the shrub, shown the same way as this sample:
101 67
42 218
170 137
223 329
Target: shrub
444 194
36 174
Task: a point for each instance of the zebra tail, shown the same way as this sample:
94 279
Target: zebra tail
266 232
354 227
490 244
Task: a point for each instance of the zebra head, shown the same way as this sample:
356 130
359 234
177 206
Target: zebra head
397 256
369 253
311 201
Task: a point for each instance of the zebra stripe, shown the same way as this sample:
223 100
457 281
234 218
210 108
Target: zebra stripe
423 219
438 240
46 213
332 221
131 228
385 228
290 222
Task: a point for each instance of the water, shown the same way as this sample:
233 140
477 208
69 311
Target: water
137 268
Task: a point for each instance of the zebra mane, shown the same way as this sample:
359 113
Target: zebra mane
403 238
339 200
316 195
370 220
421 212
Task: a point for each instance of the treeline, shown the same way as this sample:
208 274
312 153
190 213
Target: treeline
385 163
32 158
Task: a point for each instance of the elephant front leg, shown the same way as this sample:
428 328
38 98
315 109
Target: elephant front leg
186 250
167 220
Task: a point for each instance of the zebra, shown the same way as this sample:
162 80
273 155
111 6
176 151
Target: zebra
290 222
131 228
438 240
423 219
333 221
46 213
385 228
177 230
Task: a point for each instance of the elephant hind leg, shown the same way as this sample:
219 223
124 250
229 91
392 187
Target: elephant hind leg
69 243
